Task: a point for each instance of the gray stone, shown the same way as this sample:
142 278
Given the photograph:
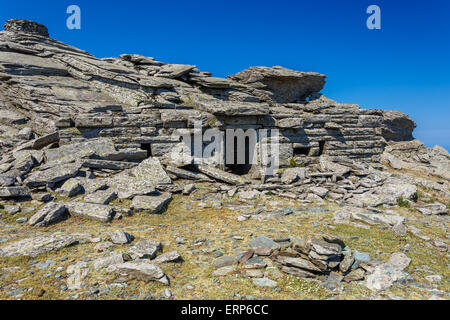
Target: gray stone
325 248
346 263
188 189
144 249
52 175
51 213
172 256
400 229
42 197
142 270
120 237
292 175
70 188
264 282
297 263
224 271
221 175
72 152
108 164
152 204
280 84
113 259
12 209
92 211
101 197
264 242
319 191
14 192
355 275
225 261
361 256
37 245
77 273
388 273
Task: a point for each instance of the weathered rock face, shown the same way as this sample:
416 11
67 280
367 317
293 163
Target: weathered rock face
135 102
279 84
397 126
26 26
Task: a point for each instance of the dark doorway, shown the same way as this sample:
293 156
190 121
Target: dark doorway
321 147
299 151
240 168
147 147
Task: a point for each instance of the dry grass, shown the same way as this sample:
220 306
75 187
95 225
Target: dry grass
186 219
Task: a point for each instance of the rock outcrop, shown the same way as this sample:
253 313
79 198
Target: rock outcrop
86 142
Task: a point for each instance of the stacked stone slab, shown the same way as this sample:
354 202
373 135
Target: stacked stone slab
139 102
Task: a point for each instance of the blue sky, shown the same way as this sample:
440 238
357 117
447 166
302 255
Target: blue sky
404 66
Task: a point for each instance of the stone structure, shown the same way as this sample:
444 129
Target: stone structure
138 102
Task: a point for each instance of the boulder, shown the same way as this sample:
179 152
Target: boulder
152 204
92 211
37 245
142 270
279 84
397 126
104 262
292 175
51 213
144 249
52 175
120 237
14 192
101 197
70 188
172 256
221 175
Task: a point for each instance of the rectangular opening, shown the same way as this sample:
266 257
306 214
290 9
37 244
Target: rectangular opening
241 168
298 151
321 147
147 147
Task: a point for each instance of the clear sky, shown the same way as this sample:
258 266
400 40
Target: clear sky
404 66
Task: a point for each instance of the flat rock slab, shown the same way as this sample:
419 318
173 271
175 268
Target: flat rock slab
52 175
298 263
126 154
264 282
37 245
151 170
113 259
172 256
44 141
264 242
93 211
51 213
128 187
140 180
142 270
14 192
151 204
101 197
221 175
108 164
71 152
144 249
186 174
